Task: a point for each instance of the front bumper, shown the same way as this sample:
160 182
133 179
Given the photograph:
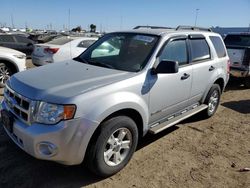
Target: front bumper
69 138
239 72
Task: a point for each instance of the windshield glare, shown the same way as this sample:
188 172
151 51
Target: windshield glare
126 52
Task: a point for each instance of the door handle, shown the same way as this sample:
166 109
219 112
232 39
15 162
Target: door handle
211 68
185 76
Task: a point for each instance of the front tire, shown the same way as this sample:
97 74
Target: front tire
113 147
212 100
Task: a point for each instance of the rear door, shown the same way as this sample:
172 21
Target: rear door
204 67
24 45
8 41
170 93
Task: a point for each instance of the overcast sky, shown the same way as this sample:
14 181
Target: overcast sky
113 15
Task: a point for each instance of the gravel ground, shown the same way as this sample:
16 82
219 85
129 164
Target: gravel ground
195 153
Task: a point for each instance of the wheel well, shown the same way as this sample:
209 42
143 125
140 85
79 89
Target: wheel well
133 114
10 64
220 82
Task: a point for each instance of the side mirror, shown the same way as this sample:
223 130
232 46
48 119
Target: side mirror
166 67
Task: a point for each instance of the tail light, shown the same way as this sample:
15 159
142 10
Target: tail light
51 50
228 66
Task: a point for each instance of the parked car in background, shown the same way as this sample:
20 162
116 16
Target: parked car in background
238 47
60 49
11 61
17 42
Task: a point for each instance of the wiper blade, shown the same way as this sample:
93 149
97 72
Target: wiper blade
100 64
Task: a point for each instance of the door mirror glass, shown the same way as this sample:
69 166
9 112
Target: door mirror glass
166 67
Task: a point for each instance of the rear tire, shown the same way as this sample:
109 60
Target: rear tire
212 100
5 73
113 147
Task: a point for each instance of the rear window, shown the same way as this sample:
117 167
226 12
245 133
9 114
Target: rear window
6 38
200 49
237 40
60 41
218 45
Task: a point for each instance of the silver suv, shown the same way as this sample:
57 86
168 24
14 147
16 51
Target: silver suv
96 107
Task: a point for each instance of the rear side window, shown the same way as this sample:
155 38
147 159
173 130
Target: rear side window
6 38
85 43
218 45
22 40
200 49
60 41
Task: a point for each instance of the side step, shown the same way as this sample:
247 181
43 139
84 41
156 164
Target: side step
160 127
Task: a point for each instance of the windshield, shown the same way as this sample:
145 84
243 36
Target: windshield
237 40
121 51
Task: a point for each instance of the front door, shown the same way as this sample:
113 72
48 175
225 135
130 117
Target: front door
170 93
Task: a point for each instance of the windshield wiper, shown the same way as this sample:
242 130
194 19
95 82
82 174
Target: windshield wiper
100 64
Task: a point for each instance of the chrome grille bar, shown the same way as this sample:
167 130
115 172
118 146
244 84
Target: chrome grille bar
19 105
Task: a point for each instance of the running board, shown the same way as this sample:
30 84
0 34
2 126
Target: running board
160 127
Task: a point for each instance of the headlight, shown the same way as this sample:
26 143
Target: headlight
20 56
47 113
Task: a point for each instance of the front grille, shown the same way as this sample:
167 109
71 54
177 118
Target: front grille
19 105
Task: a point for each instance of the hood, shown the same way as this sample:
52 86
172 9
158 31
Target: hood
60 81
10 51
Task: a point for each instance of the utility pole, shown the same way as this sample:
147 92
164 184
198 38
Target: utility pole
69 20
196 16
12 22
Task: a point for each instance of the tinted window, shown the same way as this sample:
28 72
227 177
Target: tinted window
22 39
200 49
218 45
237 40
85 43
60 41
6 38
175 51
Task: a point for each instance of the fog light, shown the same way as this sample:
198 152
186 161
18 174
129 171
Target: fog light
47 149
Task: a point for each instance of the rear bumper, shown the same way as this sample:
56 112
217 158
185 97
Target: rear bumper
65 142
39 61
239 72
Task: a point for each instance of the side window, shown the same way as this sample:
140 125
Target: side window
85 43
7 38
218 45
22 39
200 49
175 51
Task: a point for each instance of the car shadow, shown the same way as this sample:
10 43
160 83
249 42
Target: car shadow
235 84
242 106
18 169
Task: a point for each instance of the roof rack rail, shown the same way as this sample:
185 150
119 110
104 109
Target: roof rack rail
151 27
184 27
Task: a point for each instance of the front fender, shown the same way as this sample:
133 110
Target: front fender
105 106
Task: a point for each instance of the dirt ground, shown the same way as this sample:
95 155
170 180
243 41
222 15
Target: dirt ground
196 153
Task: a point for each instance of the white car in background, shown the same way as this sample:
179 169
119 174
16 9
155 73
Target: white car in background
11 62
60 49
